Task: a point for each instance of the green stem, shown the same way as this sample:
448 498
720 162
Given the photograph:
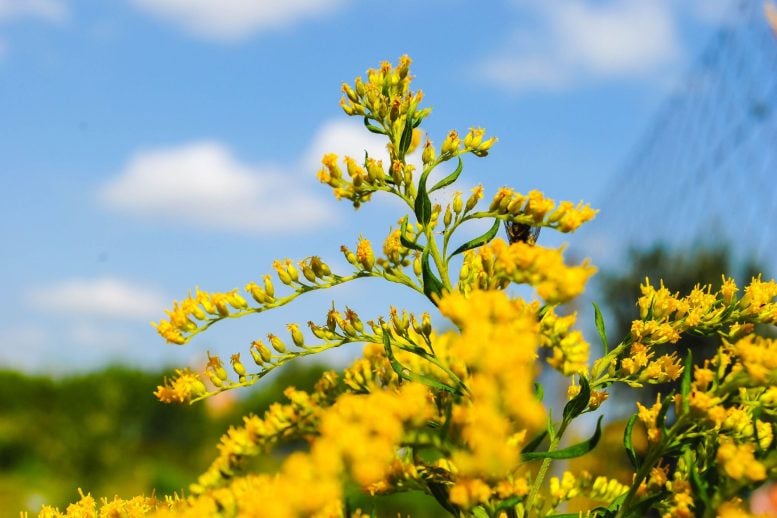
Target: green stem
545 466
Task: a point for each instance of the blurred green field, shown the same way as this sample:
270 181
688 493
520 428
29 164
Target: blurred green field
106 433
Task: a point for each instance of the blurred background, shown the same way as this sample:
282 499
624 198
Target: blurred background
149 146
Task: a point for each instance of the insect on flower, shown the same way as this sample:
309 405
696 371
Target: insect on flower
521 232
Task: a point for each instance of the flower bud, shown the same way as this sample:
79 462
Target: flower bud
450 145
237 365
417 265
268 286
429 154
236 300
349 256
448 218
347 90
276 343
318 331
296 335
218 382
257 357
262 349
375 171
307 272
292 271
426 324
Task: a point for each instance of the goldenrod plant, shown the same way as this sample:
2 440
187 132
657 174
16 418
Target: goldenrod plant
459 414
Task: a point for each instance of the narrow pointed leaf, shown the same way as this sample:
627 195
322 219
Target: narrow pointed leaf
406 242
536 441
372 127
569 452
685 385
478 241
579 403
599 320
423 205
539 391
450 178
432 285
407 136
628 442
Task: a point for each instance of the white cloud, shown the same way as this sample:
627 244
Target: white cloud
574 41
202 184
344 137
101 297
235 19
50 10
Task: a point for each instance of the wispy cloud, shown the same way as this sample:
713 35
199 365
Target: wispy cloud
50 10
228 20
570 42
99 297
202 184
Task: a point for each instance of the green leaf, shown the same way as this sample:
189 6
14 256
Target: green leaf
579 403
539 391
423 205
440 493
479 512
628 442
432 285
685 385
407 135
536 441
599 320
450 178
406 242
698 483
478 241
661 417
570 452
649 315
373 128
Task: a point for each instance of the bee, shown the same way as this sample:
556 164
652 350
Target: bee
521 232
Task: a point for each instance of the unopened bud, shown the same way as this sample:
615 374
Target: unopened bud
264 352
268 286
237 365
349 256
296 335
429 154
448 218
426 324
218 382
450 145
276 343
307 272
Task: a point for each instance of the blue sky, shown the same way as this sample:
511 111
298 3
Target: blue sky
150 146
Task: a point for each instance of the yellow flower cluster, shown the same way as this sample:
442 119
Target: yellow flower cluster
535 209
737 461
260 435
664 316
185 386
359 435
501 409
496 264
87 507
201 306
569 349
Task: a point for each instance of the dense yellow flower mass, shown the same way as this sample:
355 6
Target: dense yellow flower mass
458 413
